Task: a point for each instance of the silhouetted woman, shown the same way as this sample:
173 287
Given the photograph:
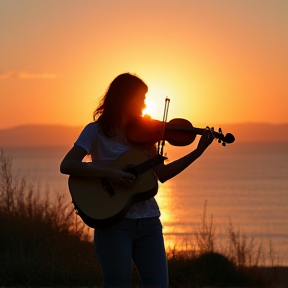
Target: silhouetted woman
138 236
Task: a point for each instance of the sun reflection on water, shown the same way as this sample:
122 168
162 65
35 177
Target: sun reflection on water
178 234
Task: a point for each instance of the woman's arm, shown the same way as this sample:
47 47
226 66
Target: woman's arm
166 172
72 165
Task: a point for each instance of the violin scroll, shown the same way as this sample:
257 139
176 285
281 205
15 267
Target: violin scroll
228 138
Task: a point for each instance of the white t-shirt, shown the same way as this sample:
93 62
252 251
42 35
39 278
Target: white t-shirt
107 149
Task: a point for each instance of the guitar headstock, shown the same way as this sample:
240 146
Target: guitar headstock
223 139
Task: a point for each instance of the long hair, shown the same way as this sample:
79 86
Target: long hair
111 107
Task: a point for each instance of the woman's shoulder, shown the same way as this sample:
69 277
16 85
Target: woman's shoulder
87 136
91 127
89 131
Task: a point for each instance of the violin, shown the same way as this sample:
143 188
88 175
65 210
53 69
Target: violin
177 132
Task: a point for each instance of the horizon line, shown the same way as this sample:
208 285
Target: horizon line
82 125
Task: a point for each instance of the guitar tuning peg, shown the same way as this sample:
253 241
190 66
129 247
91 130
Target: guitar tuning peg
219 140
220 130
224 144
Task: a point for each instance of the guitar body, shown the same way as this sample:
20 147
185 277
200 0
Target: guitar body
100 203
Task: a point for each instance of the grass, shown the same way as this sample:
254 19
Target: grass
44 243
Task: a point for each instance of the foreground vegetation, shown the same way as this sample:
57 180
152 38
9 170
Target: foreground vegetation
44 243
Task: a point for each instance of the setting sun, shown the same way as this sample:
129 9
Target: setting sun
155 100
150 108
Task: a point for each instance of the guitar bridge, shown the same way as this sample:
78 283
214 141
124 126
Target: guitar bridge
107 187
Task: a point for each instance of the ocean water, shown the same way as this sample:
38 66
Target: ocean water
245 184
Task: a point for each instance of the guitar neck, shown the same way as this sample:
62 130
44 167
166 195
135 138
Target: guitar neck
143 167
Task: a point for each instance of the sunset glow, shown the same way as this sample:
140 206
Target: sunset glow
150 109
215 60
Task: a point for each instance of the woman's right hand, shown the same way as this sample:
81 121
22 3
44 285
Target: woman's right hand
121 177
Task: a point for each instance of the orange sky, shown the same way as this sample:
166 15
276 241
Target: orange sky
218 61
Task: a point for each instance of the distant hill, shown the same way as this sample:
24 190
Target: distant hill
56 135
39 135
257 132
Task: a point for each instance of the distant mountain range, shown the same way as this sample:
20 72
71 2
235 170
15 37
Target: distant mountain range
57 135
39 135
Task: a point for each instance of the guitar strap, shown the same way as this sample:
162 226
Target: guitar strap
162 144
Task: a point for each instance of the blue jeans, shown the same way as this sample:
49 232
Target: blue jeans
140 240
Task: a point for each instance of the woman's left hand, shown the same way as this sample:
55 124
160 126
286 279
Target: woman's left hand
205 140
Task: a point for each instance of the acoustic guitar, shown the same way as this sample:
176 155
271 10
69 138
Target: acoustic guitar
101 203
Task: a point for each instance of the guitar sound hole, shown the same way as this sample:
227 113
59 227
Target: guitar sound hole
132 169
107 186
